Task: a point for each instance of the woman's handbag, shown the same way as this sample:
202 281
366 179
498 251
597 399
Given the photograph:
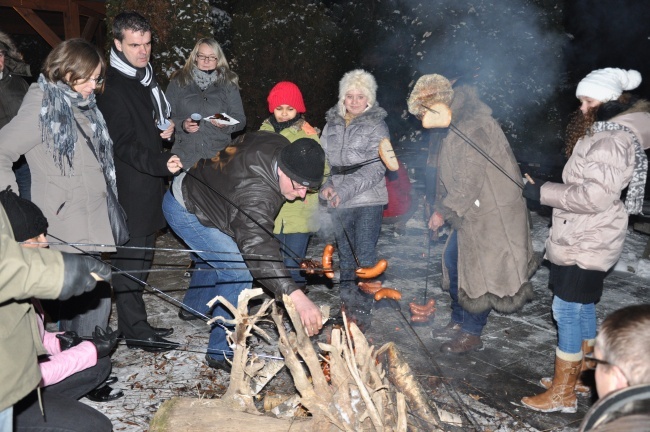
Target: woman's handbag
116 214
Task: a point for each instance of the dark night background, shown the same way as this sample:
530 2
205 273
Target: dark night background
525 56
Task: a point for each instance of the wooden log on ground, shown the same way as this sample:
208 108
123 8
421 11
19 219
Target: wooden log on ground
203 415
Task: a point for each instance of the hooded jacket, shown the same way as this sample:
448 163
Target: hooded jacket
356 143
12 91
246 175
495 252
589 218
24 273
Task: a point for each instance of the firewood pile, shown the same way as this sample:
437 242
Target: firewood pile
346 386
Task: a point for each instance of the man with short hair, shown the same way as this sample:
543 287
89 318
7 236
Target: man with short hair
225 208
136 113
622 356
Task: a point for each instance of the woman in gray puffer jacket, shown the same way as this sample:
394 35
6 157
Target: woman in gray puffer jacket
356 189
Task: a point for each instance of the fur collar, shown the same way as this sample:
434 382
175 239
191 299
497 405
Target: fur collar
372 115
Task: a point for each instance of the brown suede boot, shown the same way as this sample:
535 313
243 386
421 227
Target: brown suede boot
581 388
560 396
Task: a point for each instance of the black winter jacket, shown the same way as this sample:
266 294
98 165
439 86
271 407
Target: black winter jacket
12 91
140 164
246 174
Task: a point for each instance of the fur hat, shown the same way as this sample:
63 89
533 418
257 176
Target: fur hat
607 84
286 93
303 161
357 79
26 219
13 59
428 90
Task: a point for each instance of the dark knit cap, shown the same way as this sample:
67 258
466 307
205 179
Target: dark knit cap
303 161
26 219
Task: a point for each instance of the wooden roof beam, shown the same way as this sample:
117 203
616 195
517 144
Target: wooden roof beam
37 24
48 5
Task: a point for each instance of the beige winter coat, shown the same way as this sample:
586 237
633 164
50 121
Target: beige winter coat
589 218
495 253
74 205
24 273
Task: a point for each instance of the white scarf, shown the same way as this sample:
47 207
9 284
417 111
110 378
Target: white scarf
147 78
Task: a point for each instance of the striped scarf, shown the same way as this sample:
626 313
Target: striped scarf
147 78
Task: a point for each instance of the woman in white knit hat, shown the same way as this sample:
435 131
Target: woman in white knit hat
590 220
356 190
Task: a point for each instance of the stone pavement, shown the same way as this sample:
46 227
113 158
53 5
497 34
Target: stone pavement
483 388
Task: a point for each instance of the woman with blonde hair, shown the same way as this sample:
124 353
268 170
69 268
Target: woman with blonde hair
205 86
64 138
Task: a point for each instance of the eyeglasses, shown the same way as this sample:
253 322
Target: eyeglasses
98 81
301 187
206 58
590 357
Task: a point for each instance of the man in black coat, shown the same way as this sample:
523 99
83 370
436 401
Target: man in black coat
137 112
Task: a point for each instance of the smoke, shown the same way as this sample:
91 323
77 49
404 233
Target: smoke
512 50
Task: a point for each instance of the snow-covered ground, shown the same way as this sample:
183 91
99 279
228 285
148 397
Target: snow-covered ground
150 379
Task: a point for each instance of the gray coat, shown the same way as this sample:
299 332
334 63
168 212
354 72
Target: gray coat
357 143
209 139
74 204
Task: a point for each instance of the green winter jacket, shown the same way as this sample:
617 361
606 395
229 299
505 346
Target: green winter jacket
24 273
299 216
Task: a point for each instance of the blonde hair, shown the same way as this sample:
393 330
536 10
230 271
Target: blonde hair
184 75
76 57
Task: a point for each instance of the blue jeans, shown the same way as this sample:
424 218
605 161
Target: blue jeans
23 178
575 322
232 275
6 419
362 225
294 248
196 295
471 323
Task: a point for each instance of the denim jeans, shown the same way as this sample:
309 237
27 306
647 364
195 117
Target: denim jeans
6 419
471 323
199 292
294 248
23 178
232 275
575 322
362 226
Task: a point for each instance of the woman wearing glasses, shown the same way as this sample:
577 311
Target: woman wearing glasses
205 86
356 191
56 126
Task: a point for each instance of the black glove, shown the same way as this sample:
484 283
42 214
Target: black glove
76 274
104 340
532 191
68 339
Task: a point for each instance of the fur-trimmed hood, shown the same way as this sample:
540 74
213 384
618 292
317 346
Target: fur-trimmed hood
13 59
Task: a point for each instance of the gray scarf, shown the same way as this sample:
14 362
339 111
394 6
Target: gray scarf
204 78
636 188
59 130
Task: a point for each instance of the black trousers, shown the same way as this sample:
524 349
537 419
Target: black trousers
61 409
131 311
